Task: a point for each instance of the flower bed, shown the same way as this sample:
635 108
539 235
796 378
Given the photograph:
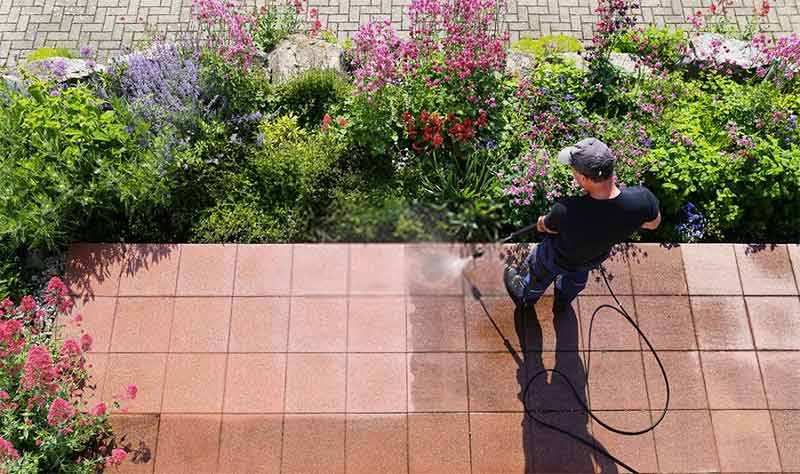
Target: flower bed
47 423
423 138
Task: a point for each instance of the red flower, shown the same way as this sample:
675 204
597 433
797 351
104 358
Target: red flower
326 122
713 8
437 140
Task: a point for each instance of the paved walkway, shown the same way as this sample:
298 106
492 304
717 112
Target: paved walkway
110 25
379 359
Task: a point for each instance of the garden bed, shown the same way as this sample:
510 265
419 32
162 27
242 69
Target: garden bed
423 139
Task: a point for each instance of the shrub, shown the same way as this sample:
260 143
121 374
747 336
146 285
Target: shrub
312 94
225 188
46 53
720 149
70 164
47 425
374 216
231 93
547 45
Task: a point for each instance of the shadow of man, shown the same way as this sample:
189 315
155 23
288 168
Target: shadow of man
551 400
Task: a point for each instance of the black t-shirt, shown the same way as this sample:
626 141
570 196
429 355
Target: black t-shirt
588 227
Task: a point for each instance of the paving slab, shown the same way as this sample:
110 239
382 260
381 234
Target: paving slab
382 358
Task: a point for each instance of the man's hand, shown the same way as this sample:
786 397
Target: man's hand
543 228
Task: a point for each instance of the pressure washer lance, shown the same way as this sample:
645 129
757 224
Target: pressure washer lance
619 309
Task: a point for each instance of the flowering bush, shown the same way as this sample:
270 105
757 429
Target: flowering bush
227 28
47 425
274 22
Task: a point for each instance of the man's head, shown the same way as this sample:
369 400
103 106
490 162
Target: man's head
591 161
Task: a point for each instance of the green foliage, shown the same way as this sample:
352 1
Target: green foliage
68 162
711 151
274 23
231 91
662 45
46 53
226 190
312 94
380 215
547 45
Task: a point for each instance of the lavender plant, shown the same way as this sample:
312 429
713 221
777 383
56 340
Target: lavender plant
161 85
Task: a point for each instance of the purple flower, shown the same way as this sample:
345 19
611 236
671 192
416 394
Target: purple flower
55 93
58 67
86 51
693 228
161 84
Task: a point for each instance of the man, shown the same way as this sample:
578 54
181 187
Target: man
580 231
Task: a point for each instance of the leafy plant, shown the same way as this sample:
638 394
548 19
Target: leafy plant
311 95
46 53
546 45
275 22
70 163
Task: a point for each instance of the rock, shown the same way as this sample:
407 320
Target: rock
577 60
713 47
518 62
299 53
625 63
67 68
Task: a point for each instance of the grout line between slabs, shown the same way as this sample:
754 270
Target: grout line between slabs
227 353
347 356
167 357
463 308
761 377
286 359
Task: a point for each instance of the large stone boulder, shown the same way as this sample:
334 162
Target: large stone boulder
299 53
518 62
707 48
63 69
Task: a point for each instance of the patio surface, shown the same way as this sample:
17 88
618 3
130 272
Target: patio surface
379 359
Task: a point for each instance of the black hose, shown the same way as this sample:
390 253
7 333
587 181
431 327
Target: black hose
621 310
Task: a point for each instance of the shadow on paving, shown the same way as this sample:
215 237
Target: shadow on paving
550 398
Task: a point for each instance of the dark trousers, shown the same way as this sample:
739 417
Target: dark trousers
542 271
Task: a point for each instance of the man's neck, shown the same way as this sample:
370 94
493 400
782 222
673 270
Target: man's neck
605 191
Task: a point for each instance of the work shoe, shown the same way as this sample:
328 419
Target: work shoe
560 303
515 286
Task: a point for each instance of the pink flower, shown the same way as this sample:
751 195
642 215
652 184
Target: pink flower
86 342
98 410
117 456
77 319
7 450
39 370
342 121
27 304
131 392
60 410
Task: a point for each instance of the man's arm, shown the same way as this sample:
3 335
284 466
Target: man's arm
653 225
542 228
